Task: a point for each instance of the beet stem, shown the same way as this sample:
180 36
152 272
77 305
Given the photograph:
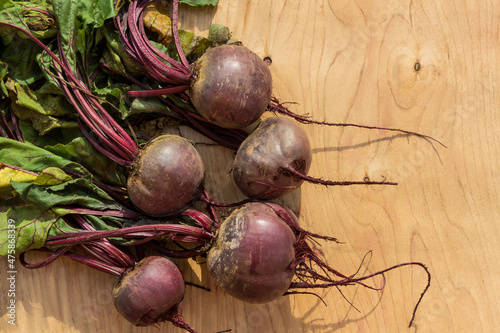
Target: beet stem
157 92
175 33
117 271
202 219
122 258
81 237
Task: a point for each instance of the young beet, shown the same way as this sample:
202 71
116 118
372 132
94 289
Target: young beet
275 159
277 143
251 257
261 254
166 176
229 85
150 292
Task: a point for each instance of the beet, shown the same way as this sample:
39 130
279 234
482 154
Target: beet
277 143
261 253
231 86
251 257
151 292
166 176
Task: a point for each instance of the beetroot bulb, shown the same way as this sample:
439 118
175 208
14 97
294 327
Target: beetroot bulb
251 257
261 254
275 159
276 143
166 176
229 85
150 292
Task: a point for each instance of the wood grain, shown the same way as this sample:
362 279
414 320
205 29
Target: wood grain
350 61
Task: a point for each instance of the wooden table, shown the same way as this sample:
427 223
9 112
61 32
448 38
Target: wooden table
426 66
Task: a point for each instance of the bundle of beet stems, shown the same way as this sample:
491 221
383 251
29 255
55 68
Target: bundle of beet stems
166 176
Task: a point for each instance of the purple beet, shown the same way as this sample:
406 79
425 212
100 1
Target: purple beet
230 86
277 143
166 176
261 254
151 292
250 259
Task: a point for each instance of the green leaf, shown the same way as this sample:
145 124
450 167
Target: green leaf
199 3
192 45
3 72
95 12
118 54
10 13
51 176
65 12
77 22
62 189
45 111
72 148
75 193
24 227
81 151
20 56
35 159
55 136
41 25
145 105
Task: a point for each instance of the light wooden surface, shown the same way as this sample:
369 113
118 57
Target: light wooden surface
351 61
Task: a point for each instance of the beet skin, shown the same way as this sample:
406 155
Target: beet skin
166 176
151 292
278 142
250 259
231 86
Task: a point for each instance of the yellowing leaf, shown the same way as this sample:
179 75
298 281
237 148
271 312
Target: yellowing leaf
7 175
157 19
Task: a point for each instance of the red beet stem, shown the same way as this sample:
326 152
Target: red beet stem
201 218
86 105
117 271
157 92
175 33
138 231
140 48
118 256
